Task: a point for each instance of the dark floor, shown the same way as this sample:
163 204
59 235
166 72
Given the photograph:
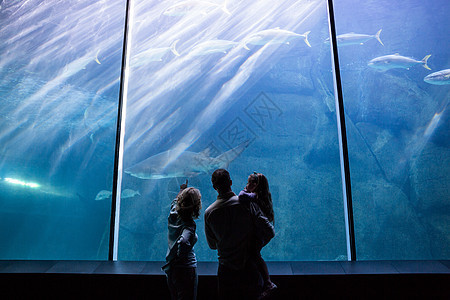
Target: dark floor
296 280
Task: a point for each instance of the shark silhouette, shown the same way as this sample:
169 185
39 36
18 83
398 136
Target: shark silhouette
188 164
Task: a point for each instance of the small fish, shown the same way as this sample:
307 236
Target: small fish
212 46
194 6
102 195
356 38
438 78
154 54
128 193
396 61
274 36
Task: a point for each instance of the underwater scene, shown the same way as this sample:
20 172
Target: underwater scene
245 86
241 85
60 64
396 86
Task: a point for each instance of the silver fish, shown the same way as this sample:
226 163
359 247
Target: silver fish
154 54
274 36
211 47
129 193
102 195
356 38
396 61
438 78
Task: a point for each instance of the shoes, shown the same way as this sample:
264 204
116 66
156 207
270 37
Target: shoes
268 291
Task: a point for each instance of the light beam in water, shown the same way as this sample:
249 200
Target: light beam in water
22 183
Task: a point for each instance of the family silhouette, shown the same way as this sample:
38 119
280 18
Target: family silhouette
237 226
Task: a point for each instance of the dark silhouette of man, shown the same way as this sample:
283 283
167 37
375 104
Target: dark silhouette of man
234 229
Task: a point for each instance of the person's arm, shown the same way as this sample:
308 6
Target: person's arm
246 197
263 228
186 241
173 205
210 238
183 186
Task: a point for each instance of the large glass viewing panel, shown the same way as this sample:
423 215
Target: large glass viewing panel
243 85
60 65
396 100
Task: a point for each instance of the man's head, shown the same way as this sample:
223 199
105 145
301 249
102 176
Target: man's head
221 180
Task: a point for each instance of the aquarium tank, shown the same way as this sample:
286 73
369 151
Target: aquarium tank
132 98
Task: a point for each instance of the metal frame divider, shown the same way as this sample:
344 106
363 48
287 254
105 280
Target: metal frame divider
120 133
343 149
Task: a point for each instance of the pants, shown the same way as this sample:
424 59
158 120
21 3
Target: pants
245 284
182 283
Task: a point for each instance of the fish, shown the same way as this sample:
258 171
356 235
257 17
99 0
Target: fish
187 164
211 47
194 6
355 38
129 193
102 195
274 36
438 78
153 54
396 61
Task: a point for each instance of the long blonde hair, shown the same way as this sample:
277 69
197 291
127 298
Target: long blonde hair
189 203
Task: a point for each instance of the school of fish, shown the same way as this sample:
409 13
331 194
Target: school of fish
274 36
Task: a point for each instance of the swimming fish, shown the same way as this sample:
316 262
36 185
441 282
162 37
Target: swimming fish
212 46
187 164
153 54
274 36
396 61
438 78
356 38
194 6
129 193
103 194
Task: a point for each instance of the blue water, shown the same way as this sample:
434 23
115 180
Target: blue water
59 82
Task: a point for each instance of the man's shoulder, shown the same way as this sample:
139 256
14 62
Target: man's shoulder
233 200
222 203
212 207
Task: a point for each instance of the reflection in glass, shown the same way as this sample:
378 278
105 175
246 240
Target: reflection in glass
245 86
397 126
59 72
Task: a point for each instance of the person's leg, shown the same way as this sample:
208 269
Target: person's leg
269 287
239 284
262 268
171 285
233 284
252 280
225 282
195 283
185 282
